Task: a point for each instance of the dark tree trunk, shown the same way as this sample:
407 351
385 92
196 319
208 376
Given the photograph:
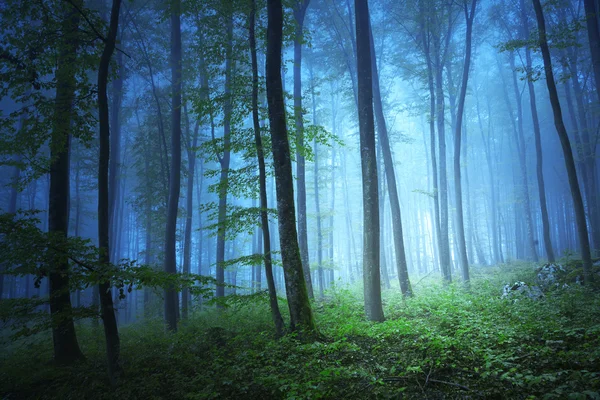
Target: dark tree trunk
66 347
591 11
299 13
170 262
192 143
111 332
262 176
371 268
224 161
566 146
460 227
301 318
390 175
538 139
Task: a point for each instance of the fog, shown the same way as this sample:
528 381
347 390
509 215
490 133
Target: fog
163 174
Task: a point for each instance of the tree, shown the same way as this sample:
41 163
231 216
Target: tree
371 269
111 331
225 159
299 14
538 139
262 176
66 347
170 262
460 227
582 231
591 11
301 318
390 174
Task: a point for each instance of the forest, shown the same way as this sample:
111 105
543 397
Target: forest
299 199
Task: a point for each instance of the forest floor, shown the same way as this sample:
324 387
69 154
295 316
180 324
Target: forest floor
444 343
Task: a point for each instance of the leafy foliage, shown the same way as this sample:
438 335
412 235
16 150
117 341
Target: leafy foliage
444 343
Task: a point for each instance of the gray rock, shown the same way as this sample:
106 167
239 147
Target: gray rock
548 275
520 289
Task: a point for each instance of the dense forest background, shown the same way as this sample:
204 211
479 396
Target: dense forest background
224 185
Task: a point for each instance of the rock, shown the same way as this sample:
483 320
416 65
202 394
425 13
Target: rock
549 275
519 289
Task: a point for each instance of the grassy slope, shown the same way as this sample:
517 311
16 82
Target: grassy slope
444 343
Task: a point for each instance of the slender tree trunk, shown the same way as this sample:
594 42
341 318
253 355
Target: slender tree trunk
566 146
192 143
262 176
371 267
170 262
460 228
444 243
591 11
301 317
111 332
401 265
66 347
316 185
522 153
299 13
538 140
225 161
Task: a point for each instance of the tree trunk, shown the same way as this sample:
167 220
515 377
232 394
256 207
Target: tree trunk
111 332
371 268
460 227
192 143
224 161
538 140
301 317
66 347
591 11
317 203
299 13
522 153
262 177
566 146
390 174
170 262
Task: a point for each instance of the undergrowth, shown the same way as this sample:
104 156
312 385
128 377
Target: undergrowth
443 343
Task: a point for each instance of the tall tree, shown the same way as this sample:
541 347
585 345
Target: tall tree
390 174
225 159
460 226
538 138
299 14
582 230
591 10
66 347
371 268
301 317
170 263
191 145
111 332
262 177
